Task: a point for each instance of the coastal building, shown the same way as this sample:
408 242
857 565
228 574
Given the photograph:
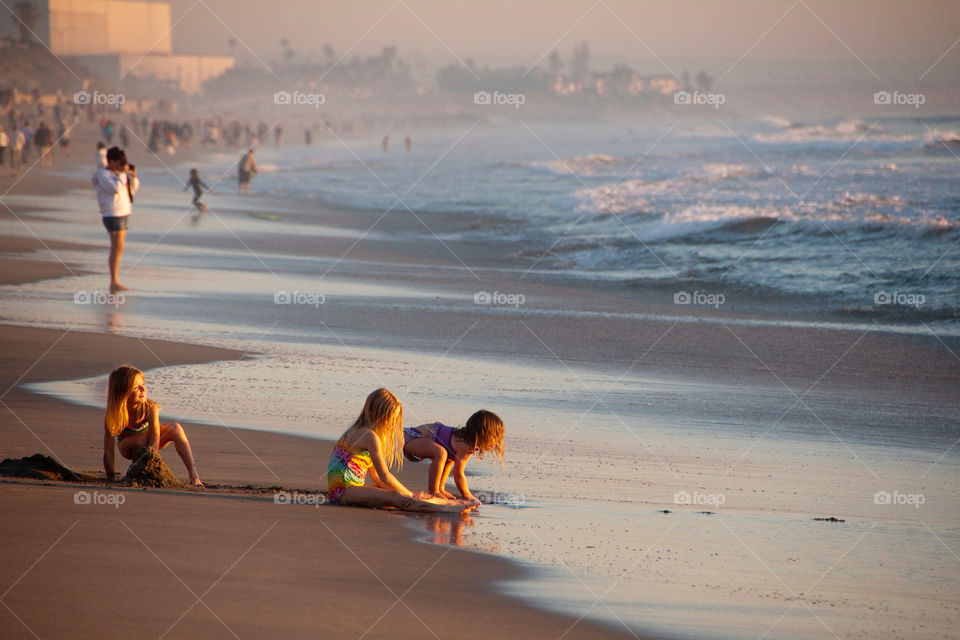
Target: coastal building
622 82
634 84
119 38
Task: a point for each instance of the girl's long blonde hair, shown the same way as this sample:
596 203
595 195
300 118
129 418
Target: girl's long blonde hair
383 414
119 387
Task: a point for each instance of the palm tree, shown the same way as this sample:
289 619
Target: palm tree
288 52
554 64
705 81
580 65
25 16
329 54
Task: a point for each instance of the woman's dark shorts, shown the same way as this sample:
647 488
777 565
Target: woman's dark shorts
115 223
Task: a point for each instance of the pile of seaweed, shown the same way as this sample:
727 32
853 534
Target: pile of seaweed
41 467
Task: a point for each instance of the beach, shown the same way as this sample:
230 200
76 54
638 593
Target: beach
672 469
216 563
356 574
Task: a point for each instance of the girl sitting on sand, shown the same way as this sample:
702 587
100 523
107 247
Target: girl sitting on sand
450 449
133 422
372 444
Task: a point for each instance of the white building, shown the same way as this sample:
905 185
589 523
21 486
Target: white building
119 38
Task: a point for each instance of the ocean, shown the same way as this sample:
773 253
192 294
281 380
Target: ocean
855 218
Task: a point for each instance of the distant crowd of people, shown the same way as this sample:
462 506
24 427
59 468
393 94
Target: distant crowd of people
22 142
115 181
29 134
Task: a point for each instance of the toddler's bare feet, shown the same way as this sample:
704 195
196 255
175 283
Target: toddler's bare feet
116 286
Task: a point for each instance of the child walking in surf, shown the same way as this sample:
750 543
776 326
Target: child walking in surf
198 186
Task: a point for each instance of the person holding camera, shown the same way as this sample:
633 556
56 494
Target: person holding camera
115 185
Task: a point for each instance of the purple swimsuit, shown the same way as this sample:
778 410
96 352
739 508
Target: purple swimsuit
439 433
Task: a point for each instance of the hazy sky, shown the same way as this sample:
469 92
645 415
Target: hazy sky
911 34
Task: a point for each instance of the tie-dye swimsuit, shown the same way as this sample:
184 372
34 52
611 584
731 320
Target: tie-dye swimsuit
348 468
132 431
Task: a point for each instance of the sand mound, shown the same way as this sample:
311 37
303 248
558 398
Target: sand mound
41 467
149 470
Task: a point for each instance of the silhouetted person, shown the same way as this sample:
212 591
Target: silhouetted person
63 134
246 170
4 143
44 141
27 142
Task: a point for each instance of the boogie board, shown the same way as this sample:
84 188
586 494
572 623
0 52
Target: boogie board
265 216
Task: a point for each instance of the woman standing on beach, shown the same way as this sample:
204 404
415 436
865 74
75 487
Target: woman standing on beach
115 185
133 421
372 444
